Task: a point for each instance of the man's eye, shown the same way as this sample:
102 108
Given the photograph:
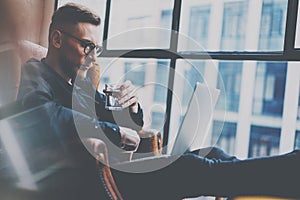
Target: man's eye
83 44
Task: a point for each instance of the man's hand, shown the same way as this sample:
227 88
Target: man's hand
127 98
129 139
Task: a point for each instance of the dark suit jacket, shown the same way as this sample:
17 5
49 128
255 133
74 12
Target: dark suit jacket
73 108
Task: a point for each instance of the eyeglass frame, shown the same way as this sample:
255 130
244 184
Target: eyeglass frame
85 44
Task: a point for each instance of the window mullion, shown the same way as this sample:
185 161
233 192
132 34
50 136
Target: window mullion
173 48
291 23
175 25
106 24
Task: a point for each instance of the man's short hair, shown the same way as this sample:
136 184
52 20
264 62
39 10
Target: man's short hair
72 14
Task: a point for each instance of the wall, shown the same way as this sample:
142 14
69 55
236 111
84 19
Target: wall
27 19
20 20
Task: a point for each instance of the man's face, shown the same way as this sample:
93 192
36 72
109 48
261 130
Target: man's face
72 56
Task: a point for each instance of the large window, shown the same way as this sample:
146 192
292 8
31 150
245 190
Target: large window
245 48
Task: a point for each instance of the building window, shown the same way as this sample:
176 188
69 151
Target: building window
223 136
269 88
166 20
161 80
297 140
199 26
231 73
135 73
158 119
264 141
234 26
272 25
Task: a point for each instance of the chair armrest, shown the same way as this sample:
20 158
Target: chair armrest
99 149
150 144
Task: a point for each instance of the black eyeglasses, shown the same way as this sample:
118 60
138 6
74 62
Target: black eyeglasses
87 45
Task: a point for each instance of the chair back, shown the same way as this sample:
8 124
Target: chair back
11 58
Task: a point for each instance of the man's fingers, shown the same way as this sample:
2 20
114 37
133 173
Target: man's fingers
131 101
125 85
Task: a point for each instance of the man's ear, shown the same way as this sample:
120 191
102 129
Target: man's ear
56 38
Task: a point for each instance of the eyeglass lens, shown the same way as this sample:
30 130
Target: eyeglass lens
90 47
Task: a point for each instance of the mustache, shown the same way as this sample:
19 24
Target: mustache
88 65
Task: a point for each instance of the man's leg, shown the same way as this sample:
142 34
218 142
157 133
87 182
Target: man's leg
273 176
214 153
192 175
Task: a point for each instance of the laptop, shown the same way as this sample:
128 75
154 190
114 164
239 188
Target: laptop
191 134
195 126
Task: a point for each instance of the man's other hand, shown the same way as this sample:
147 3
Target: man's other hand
129 139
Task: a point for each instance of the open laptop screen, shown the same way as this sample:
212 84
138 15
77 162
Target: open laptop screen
197 120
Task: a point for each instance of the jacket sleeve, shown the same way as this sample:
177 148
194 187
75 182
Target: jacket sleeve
66 122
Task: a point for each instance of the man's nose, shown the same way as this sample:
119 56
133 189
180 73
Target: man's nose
92 55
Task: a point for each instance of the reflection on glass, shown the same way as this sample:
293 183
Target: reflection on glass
231 25
139 24
98 6
264 141
225 140
150 80
269 88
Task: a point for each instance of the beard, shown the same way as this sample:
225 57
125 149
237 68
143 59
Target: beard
69 68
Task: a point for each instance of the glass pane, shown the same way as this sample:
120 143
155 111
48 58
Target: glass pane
139 24
98 6
231 25
269 88
297 43
264 141
149 77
